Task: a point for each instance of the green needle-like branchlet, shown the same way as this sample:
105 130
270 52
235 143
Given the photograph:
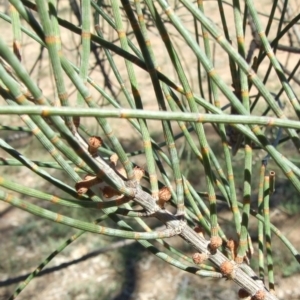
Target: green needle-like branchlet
55 217
260 202
267 231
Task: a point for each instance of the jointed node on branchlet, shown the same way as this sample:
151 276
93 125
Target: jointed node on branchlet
227 269
94 143
164 195
199 258
215 243
233 136
17 48
242 259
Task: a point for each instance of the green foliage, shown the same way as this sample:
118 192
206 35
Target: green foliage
171 88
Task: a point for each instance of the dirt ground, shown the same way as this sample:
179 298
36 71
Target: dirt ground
94 267
84 271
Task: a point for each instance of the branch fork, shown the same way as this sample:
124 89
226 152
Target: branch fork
228 268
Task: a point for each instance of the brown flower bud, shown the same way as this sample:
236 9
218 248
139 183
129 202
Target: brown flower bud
94 143
164 195
226 268
259 295
215 243
199 258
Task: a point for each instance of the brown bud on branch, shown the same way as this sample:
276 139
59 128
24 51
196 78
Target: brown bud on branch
215 243
94 143
227 268
164 195
199 258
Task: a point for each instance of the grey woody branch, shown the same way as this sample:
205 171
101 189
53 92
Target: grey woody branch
239 273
